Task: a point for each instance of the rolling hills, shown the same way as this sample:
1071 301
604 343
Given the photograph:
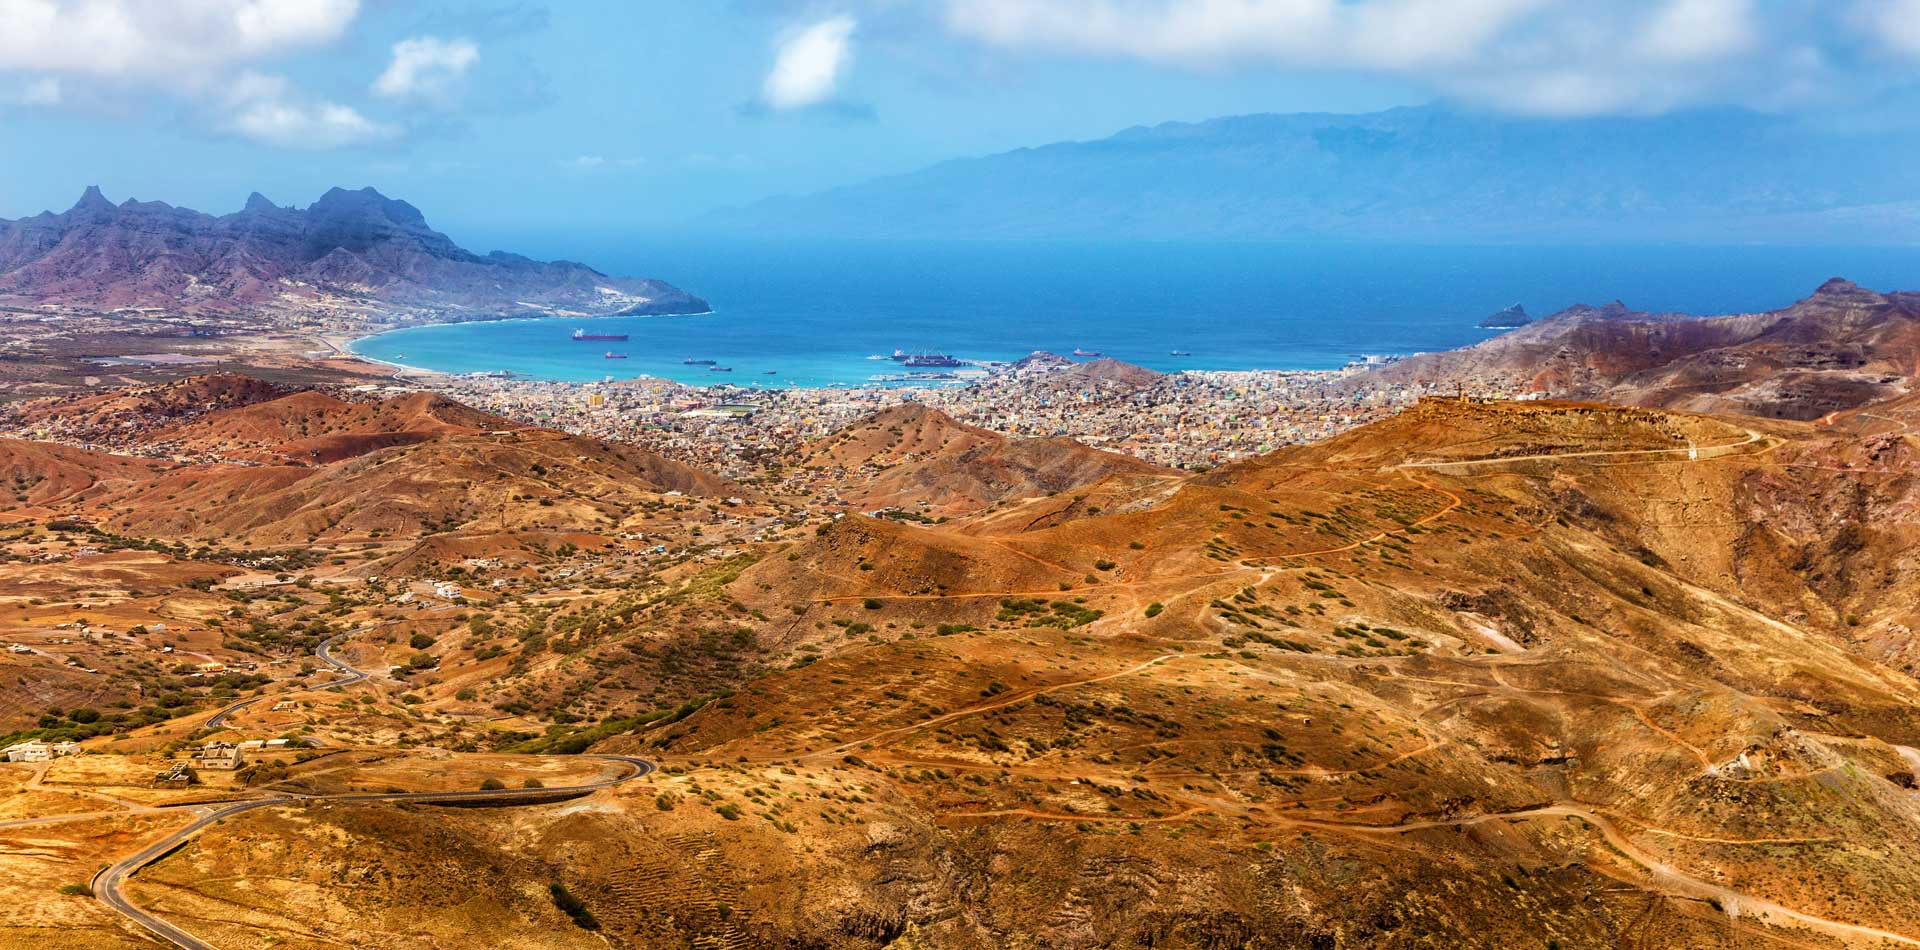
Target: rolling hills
1484 673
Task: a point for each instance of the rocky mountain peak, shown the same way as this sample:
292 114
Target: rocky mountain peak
367 204
92 201
259 202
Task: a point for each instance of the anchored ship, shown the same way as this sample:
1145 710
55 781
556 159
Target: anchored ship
584 335
925 359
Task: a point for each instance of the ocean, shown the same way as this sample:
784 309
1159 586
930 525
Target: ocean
812 313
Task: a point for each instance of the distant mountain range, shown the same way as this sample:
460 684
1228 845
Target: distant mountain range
356 251
1413 174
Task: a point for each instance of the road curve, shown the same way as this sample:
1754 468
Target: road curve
109 885
220 718
325 652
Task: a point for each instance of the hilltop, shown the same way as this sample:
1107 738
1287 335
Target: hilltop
921 459
349 252
1840 348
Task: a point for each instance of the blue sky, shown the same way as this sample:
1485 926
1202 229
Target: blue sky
605 116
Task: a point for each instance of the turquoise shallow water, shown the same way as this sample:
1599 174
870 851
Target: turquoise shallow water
814 312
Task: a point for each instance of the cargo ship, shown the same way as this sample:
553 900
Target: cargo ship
616 356
694 362
584 335
925 359
719 369
1086 354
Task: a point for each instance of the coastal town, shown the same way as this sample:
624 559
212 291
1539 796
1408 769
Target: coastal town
1194 420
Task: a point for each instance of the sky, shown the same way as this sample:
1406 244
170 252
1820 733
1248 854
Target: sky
605 117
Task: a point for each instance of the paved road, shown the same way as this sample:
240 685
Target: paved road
220 718
324 652
109 886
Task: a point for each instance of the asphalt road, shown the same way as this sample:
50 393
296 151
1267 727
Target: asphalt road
109 886
324 652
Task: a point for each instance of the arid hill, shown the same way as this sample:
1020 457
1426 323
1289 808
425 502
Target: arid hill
1481 662
1115 372
349 251
518 479
922 460
136 409
1482 674
43 474
315 428
290 468
1841 348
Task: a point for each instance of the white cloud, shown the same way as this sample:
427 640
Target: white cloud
1380 33
1547 56
1894 24
426 68
172 41
202 53
809 64
267 109
1695 31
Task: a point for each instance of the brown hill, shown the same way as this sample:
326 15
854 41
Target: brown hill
315 428
138 409
1483 674
524 479
44 474
1120 375
316 467
1841 348
911 456
1472 638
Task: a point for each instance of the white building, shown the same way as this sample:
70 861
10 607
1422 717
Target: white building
35 750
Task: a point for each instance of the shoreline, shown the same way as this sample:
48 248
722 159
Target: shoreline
348 347
347 350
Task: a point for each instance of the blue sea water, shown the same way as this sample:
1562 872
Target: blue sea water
812 312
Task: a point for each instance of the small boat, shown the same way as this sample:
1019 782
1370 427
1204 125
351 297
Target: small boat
1087 354
769 372
616 356
1179 353
694 362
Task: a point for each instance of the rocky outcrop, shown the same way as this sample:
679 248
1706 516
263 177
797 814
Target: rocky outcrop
1514 316
358 250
